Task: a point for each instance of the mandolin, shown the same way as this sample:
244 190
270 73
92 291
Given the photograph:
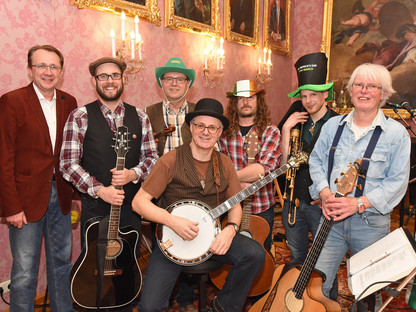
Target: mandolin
298 288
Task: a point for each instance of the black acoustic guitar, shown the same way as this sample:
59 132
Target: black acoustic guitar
121 280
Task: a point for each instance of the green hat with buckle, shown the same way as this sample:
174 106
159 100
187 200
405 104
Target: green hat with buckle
174 65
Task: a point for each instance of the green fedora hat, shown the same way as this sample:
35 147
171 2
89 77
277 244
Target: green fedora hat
312 70
175 65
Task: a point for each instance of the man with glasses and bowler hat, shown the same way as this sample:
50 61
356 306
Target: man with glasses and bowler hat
196 171
35 200
88 159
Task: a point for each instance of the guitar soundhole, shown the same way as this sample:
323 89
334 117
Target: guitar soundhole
292 303
113 248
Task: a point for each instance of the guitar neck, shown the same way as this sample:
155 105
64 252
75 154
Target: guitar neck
115 210
239 197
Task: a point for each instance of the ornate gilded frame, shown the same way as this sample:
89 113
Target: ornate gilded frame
326 41
281 46
149 11
177 22
239 38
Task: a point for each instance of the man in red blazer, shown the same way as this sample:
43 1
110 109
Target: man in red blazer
34 198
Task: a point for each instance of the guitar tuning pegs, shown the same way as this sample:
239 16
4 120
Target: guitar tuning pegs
343 172
336 181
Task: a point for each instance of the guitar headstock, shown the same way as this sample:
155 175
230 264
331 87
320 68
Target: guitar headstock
298 159
121 145
347 182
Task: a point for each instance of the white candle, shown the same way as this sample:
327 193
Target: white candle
113 42
221 43
218 59
221 58
268 68
264 55
136 28
269 60
259 65
213 46
123 18
132 44
205 59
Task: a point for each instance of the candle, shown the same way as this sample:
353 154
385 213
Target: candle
132 44
268 68
264 55
205 58
113 43
213 46
221 42
136 28
123 18
218 59
269 60
221 58
259 65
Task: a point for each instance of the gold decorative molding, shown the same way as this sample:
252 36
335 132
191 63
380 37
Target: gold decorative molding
387 111
182 23
149 11
239 38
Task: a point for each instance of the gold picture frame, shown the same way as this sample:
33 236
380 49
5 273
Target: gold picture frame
203 17
276 26
148 11
248 35
343 57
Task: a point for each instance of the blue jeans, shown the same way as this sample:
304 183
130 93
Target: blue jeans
355 233
25 246
245 255
297 235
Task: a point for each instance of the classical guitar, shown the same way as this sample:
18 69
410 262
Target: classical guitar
299 288
254 227
122 280
197 250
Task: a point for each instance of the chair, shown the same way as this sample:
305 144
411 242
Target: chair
278 194
202 272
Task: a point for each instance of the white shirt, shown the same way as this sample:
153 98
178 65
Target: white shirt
49 111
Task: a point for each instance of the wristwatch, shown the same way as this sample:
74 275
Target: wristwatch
360 206
234 225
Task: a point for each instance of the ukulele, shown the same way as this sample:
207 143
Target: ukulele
252 226
122 279
298 288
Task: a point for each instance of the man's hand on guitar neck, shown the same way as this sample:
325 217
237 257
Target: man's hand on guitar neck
111 195
122 177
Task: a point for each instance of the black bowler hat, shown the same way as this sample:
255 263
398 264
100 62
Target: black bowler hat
311 70
208 107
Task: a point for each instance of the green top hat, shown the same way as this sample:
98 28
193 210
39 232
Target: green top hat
312 70
175 65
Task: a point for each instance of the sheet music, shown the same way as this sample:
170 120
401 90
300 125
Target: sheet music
389 259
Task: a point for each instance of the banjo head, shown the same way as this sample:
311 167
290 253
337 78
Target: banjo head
192 252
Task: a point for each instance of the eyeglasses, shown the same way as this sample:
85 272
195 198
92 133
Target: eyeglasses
369 87
179 80
104 77
53 68
202 127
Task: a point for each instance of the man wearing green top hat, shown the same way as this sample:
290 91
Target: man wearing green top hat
175 79
300 215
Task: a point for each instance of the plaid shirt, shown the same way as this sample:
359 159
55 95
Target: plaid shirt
268 156
174 139
73 140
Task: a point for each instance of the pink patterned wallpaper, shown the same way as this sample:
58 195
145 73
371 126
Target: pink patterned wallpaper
83 36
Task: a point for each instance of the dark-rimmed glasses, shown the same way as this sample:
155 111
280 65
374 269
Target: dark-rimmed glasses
179 80
104 77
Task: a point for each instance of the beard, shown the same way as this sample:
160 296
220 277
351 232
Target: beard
116 96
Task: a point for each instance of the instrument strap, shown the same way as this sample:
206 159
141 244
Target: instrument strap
216 174
366 158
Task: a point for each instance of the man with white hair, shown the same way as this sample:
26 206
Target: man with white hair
362 217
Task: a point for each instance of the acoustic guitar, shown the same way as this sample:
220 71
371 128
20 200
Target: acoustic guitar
298 288
252 226
122 280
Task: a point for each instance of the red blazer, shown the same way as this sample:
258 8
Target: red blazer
26 156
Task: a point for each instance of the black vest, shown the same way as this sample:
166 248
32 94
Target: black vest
99 155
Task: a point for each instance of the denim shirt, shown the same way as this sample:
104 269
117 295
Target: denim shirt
389 169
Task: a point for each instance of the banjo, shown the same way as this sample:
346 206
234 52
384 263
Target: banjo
196 251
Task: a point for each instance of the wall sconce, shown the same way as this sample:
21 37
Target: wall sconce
129 50
214 64
264 72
